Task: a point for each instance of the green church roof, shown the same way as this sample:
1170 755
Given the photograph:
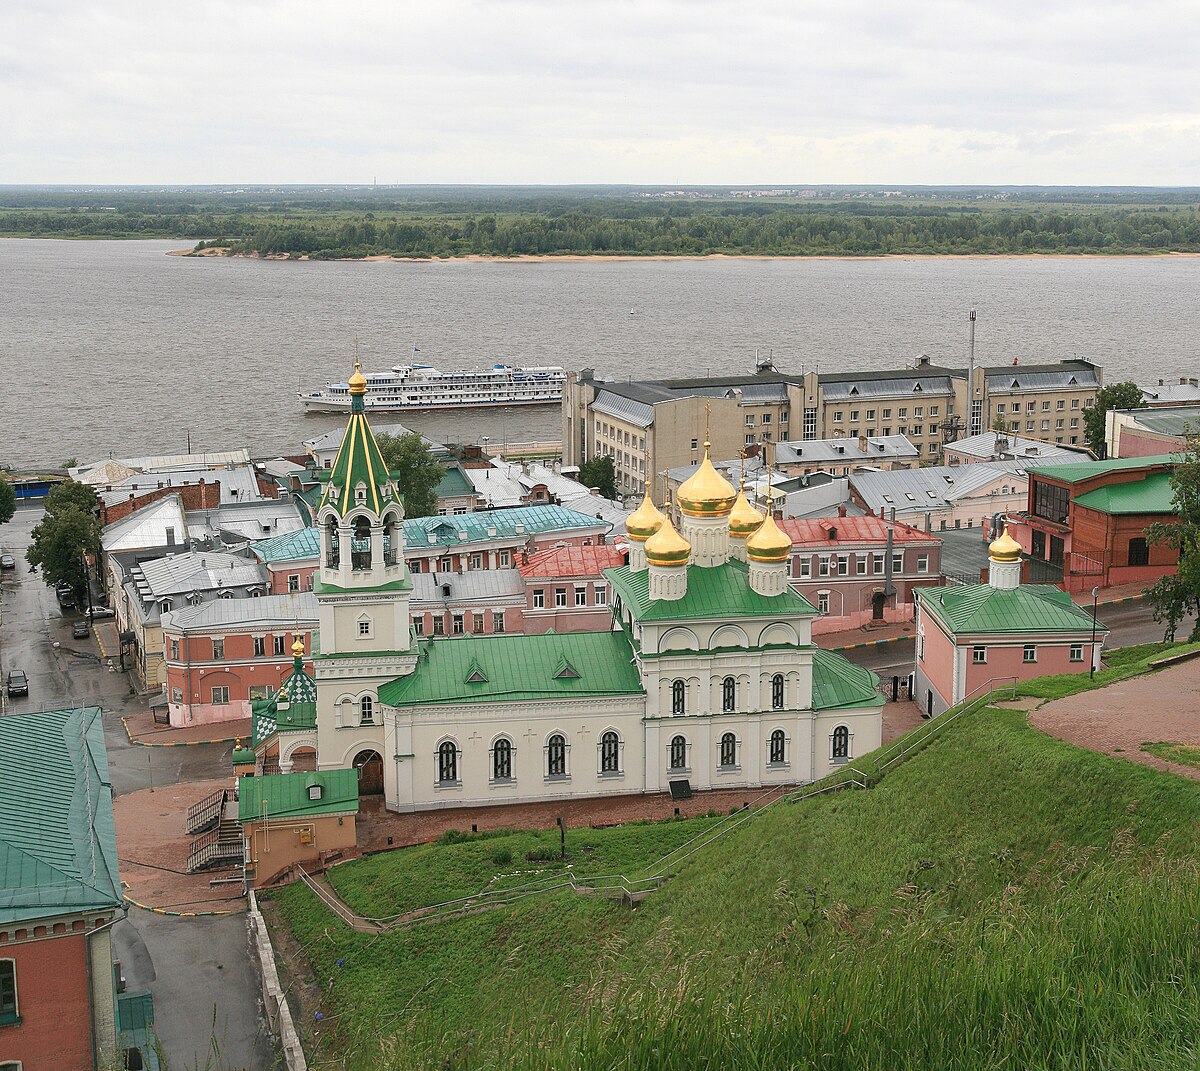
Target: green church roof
58 845
1154 494
359 463
299 713
491 669
722 591
288 796
1030 608
838 682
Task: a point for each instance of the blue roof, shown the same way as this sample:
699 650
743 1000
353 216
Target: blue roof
305 545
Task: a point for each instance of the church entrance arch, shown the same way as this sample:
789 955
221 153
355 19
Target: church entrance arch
369 765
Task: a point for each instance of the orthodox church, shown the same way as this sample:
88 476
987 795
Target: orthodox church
708 674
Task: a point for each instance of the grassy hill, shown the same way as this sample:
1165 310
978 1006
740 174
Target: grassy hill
1003 900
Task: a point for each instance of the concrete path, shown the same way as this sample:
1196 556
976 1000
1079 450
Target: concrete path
1117 720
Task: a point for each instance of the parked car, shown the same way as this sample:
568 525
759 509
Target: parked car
7 561
18 683
79 630
66 594
96 612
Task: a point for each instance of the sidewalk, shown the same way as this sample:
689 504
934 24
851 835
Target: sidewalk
865 636
1110 596
142 729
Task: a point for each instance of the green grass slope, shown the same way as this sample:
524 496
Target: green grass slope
1002 900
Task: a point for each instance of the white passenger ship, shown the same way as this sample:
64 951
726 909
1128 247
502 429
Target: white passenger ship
421 386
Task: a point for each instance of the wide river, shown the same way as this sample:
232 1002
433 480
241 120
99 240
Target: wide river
114 348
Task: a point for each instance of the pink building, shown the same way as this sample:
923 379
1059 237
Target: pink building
855 570
971 637
565 589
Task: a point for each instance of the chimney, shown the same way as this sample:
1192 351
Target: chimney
841 511
862 443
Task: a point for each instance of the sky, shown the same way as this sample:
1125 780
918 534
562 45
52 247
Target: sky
571 91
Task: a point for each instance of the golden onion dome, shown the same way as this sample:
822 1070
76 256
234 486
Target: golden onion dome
644 521
298 648
706 493
744 519
667 547
1005 549
769 544
357 382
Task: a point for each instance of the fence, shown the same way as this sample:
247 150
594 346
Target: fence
275 1005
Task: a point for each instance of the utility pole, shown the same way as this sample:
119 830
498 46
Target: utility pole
972 425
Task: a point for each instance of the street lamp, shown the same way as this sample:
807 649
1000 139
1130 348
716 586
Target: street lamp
1092 669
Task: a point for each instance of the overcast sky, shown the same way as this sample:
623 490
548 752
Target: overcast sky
655 91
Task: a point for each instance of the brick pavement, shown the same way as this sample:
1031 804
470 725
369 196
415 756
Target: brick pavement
1117 720
142 729
152 849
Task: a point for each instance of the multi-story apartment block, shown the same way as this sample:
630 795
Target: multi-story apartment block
927 404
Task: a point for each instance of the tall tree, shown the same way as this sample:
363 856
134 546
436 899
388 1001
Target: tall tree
601 474
8 501
416 470
60 539
1177 597
1127 395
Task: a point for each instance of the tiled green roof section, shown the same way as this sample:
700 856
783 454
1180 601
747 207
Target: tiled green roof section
58 846
289 795
454 484
1085 470
720 592
300 712
1154 494
838 682
359 463
494 669
1031 608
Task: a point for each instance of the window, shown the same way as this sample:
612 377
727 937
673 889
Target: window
366 710
1074 403
447 763
695 444
843 564
922 563
1029 654
560 596
902 413
1045 425
539 598
1029 426
870 414
877 565
1045 407
728 751
777 751
1139 551
897 564
728 695
502 760
1058 424
777 692
9 1012
505 559
457 626
933 410
177 695
678 696
419 624
476 561
823 602
610 753
749 440
260 646
1060 404
766 418
601 595
581 596
805 565
175 650
860 564
446 564
841 744
279 644
750 420
823 565
677 758
1074 423
364 626
477 622
979 656
293 583
1051 502
887 414
556 756
1030 407
810 422
220 696
497 620
837 416
218 650
1000 408
439 625
1077 652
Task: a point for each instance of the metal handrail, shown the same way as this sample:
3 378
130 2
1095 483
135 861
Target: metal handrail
199 815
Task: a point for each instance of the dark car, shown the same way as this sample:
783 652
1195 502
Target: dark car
79 630
18 683
7 561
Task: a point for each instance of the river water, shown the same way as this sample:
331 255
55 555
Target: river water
113 347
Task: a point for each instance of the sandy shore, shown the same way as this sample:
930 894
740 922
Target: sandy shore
577 258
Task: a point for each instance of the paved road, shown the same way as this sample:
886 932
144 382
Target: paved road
1130 623
199 970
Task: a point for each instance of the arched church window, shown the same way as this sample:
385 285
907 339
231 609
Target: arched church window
728 695
777 755
678 697
360 544
678 753
777 692
728 750
333 557
447 762
502 760
367 710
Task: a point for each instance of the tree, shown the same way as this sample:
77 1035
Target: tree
8 501
601 474
1176 597
1127 395
62 537
416 471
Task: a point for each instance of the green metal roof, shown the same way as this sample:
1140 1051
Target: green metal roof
489 669
454 484
301 711
359 462
290 547
722 591
58 846
1085 470
1031 608
838 682
287 795
1154 494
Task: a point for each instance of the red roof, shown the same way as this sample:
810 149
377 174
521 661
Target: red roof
573 561
867 529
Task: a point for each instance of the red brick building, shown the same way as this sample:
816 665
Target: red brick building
565 588
860 569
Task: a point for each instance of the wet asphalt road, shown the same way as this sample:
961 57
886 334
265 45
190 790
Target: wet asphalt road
205 986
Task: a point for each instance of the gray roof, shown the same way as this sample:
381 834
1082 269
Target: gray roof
1016 448
846 450
1037 377
731 470
935 488
1167 419
238 483
180 574
631 410
147 527
917 384
473 585
244 521
269 611
1172 392
332 439
215 459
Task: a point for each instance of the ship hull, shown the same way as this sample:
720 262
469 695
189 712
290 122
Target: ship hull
333 405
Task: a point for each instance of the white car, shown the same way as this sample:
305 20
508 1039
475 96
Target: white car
96 612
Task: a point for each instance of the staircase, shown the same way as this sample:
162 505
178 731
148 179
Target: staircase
218 847
207 813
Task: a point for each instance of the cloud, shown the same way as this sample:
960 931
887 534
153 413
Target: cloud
529 91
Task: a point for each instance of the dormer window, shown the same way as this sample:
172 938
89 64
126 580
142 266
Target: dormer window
315 792
164 607
360 492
